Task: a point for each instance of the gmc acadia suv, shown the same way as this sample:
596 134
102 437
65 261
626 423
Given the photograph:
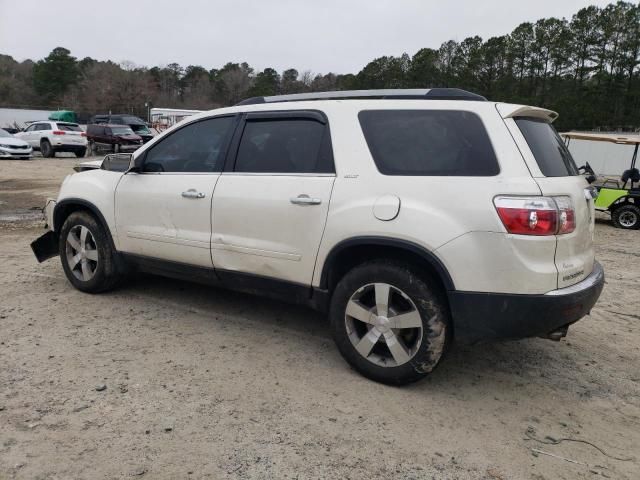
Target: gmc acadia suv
412 217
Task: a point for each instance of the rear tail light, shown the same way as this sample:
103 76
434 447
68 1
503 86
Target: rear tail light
566 215
58 132
83 134
536 215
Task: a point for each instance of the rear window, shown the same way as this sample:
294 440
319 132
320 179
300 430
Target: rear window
428 142
549 150
69 127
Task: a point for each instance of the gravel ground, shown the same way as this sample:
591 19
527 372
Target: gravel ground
166 379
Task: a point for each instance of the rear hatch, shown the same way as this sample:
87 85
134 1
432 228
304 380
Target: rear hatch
72 132
556 173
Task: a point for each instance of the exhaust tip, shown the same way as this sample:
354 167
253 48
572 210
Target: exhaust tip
557 334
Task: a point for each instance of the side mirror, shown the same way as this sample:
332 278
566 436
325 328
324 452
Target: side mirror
117 162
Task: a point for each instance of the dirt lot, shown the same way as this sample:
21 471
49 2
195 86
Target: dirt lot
203 383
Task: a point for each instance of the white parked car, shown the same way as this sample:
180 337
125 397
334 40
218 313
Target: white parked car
51 137
412 217
12 147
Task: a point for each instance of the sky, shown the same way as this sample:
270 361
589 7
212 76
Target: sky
322 36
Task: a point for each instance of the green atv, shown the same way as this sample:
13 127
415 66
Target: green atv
621 198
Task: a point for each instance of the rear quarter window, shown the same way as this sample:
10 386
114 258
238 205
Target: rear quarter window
428 143
550 152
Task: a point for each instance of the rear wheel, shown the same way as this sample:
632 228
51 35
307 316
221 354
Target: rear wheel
389 322
81 153
88 258
627 217
47 149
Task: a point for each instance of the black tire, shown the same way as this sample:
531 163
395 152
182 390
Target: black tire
105 270
81 153
429 341
47 149
626 217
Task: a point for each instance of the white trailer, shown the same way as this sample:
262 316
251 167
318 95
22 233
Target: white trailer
163 118
20 118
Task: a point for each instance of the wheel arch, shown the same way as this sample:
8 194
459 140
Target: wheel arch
66 207
630 199
353 251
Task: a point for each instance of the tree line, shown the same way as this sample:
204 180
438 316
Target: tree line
586 68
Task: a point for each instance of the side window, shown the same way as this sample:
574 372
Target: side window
295 145
428 143
31 128
197 147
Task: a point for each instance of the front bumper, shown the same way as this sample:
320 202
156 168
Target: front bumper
16 152
129 147
490 316
46 246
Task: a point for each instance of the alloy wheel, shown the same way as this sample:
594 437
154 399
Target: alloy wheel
82 253
383 324
628 219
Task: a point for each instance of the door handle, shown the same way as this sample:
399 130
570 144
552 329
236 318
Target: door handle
304 199
192 193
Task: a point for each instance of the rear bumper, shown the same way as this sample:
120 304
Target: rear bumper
70 147
489 316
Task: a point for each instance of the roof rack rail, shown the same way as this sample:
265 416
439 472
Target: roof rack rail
390 93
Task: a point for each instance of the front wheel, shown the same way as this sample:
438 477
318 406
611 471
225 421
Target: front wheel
627 217
88 258
389 322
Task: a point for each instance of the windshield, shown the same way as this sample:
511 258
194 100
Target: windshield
140 128
5 134
549 150
121 131
132 120
69 127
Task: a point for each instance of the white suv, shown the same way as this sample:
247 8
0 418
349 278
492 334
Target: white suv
410 216
53 137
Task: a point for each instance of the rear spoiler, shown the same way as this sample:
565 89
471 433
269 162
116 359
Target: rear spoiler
510 110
